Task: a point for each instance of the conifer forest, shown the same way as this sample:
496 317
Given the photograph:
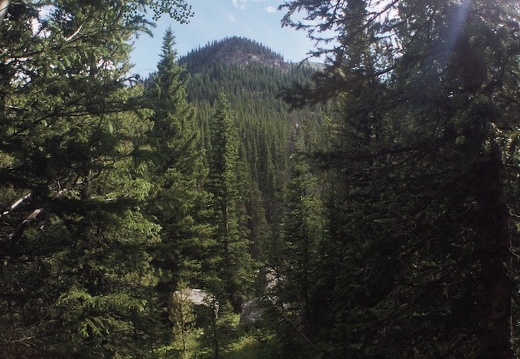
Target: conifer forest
232 205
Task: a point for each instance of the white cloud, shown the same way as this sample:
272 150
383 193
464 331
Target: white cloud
270 9
239 4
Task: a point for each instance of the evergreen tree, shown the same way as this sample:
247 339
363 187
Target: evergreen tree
183 319
303 238
175 165
234 266
177 168
174 136
424 93
76 276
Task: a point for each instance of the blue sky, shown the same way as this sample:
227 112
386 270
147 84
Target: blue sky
258 20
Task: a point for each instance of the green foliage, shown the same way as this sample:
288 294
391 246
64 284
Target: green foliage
118 195
176 168
252 76
233 262
183 319
252 346
263 124
236 50
76 277
171 158
420 150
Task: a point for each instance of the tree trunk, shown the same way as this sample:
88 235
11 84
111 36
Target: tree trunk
216 343
495 258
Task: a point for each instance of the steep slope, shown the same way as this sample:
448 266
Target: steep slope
252 77
233 51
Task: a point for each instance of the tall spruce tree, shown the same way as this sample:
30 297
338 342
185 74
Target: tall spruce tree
425 93
177 202
303 236
177 166
234 266
75 273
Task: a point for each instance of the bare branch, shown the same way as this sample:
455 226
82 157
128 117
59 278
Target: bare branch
21 227
15 204
74 34
4 5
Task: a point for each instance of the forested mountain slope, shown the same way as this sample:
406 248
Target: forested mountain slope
233 51
381 220
252 77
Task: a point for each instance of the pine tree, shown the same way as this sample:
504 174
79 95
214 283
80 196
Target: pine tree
183 319
425 120
234 267
303 237
177 165
76 276
174 163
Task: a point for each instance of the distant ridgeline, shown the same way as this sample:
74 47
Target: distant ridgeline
240 68
232 50
252 77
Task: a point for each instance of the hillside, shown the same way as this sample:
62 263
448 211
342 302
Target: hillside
233 51
252 77
193 214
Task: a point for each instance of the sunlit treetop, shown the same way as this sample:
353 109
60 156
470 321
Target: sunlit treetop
337 24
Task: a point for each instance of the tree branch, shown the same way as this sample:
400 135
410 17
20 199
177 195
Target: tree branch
4 5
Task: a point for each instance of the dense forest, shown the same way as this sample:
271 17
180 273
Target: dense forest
234 205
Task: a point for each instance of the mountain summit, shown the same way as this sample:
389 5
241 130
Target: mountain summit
233 51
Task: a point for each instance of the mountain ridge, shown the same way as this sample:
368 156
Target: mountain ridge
235 50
